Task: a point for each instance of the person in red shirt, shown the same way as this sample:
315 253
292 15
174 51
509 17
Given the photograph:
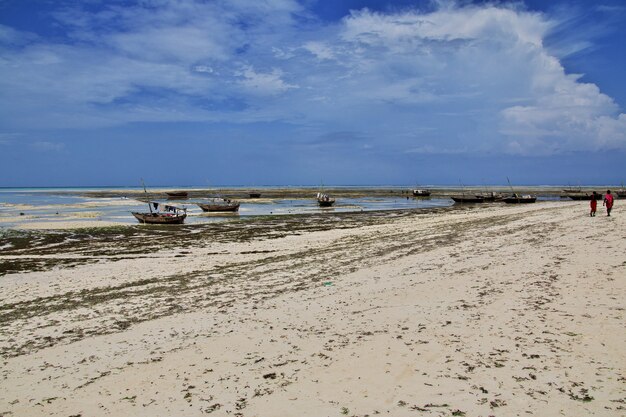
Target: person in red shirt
593 204
608 202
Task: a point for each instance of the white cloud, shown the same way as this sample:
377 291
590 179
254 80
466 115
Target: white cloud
10 36
44 146
319 49
611 8
203 68
475 78
433 150
264 83
449 24
9 138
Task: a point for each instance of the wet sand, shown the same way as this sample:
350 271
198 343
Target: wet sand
478 311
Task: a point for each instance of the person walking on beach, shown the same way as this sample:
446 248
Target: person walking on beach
608 202
593 204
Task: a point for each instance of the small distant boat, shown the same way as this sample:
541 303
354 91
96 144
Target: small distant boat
169 215
491 197
583 196
621 193
468 198
176 194
220 205
254 194
519 199
515 198
324 200
421 193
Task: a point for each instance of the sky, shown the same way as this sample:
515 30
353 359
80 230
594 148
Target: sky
304 92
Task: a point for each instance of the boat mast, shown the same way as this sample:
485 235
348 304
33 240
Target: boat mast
510 186
146 191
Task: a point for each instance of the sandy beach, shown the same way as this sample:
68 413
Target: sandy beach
497 310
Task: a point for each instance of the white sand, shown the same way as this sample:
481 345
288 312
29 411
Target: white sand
501 311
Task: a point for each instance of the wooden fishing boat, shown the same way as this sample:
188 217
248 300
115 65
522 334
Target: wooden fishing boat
160 218
490 197
176 194
515 198
220 205
468 198
583 196
170 214
421 193
324 200
621 194
254 194
519 199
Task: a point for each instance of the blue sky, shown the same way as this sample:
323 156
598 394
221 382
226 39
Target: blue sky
286 92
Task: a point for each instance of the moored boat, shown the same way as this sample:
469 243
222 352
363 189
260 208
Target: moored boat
572 190
254 194
176 194
520 199
491 197
324 200
468 198
583 196
220 205
421 193
170 214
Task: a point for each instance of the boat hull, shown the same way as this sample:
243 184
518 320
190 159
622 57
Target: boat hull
463 199
325 203
421 193
519 200
584 196
157 218
215 208
176 194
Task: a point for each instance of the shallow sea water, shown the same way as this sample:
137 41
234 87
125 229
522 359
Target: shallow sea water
28 207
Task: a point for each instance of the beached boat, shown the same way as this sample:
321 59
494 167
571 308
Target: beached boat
254 194
176 194
572 190
621 193
220 205
324 200
583 196
421 193
519 199
169 215
491 197
515 198
468 198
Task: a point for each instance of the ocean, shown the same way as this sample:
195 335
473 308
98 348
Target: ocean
94 206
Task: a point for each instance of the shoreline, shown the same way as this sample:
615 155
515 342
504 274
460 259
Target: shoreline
499 310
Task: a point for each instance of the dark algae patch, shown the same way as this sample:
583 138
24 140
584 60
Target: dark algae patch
242 275
43 250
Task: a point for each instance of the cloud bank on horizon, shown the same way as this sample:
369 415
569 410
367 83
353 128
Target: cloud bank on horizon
449 78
